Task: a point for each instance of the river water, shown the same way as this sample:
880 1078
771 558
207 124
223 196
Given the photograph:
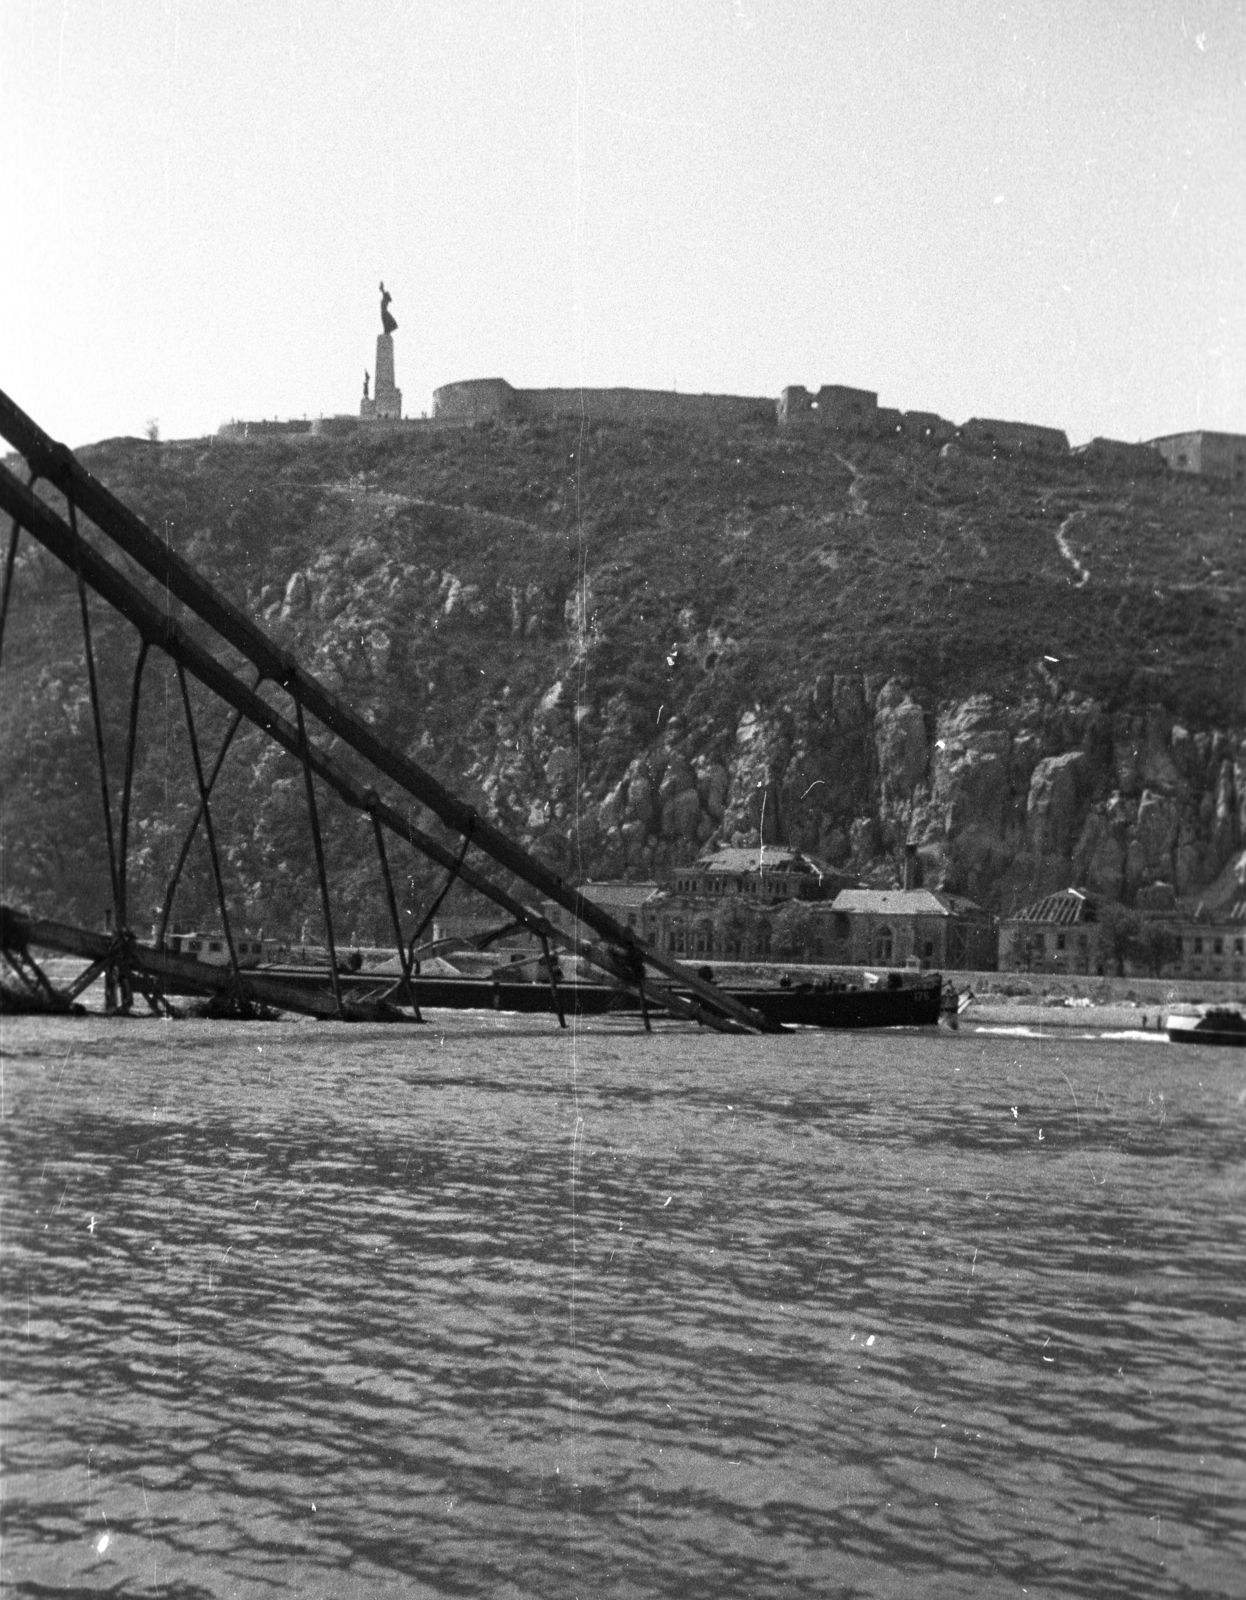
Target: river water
483 1308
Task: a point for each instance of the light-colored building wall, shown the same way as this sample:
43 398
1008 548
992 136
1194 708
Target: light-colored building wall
1205 454
1213 950
900 927
1026 946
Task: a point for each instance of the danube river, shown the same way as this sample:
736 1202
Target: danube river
483 1308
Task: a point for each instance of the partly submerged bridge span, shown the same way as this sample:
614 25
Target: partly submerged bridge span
222 633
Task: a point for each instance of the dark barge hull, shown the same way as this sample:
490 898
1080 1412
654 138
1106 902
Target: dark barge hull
913 1005
377 996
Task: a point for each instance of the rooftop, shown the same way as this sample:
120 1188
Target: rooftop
905 902
1063 909
762 858
625 895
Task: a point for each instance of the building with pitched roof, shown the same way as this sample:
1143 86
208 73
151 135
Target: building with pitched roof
929 928
1215 948
767 872
746 903
635 905
1059 933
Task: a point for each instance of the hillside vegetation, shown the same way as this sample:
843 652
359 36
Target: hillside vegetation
625 642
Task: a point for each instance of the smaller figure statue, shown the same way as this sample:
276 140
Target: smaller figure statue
366 376
388 324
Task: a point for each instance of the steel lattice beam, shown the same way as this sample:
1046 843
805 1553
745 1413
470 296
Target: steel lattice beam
624 956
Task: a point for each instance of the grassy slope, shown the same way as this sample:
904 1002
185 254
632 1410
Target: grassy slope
723 570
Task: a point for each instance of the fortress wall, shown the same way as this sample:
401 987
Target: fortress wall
334 427
643 405
1022 437
834 406
1224 456
475 397
261 430
1117 455
1213 455
494 397
928 425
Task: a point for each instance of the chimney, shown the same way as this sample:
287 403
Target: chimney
912 871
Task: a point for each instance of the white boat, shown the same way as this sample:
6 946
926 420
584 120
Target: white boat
1216 1024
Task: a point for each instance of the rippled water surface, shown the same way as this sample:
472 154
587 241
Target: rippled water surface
486 1309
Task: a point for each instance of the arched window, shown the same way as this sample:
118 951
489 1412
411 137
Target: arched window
882 946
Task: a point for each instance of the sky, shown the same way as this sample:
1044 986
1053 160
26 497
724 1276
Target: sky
1033 212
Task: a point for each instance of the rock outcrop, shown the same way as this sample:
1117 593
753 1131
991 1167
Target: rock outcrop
625 644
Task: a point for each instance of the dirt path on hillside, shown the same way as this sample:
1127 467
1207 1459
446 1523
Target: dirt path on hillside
1083 573
856 500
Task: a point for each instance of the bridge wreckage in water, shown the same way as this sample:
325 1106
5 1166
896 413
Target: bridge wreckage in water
101 564
632 975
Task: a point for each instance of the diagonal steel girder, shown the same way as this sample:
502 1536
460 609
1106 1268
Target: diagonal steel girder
623 956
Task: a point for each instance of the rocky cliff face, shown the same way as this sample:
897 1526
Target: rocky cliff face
1007 801
629 645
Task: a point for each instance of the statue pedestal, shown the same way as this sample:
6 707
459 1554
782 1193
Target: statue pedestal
387 401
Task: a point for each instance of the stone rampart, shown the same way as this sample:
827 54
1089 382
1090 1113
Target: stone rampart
476 397
333 427
263 429
645 405
836 408
494 397
1208 454
1017 438
927 425
1117 455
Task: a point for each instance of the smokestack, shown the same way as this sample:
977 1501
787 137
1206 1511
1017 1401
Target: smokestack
911 867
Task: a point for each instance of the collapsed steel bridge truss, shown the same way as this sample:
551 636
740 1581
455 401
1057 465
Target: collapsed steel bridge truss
98 565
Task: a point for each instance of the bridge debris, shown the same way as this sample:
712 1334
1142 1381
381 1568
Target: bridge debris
125 538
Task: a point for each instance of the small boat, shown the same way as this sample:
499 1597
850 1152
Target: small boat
1223 1025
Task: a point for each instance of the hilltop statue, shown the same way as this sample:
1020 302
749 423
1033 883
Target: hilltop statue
385 402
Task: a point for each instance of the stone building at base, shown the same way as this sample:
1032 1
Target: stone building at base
1215 950
910 927
1059 933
